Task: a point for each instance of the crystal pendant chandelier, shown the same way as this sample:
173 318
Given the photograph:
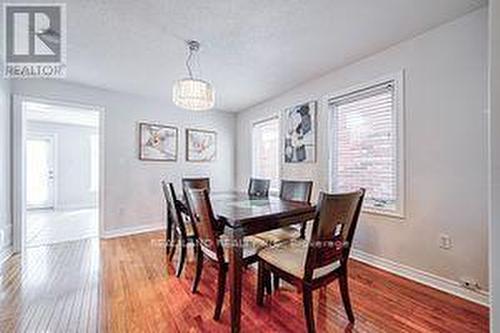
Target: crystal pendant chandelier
190 93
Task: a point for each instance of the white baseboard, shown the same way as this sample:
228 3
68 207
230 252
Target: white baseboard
5 254
428 279
127 231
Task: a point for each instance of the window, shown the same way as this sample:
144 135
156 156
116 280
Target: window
366 150
265 157
94 163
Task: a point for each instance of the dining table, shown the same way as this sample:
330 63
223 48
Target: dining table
245 215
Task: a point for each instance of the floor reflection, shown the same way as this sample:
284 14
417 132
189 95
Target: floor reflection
51 289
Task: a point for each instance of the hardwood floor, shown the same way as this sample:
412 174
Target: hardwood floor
51 289
56 288
45 226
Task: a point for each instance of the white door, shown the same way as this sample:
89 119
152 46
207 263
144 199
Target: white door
40 176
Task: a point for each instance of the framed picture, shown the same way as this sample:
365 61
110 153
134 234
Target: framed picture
158 142
201 145
300 133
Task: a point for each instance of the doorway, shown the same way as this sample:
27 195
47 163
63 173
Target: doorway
57 152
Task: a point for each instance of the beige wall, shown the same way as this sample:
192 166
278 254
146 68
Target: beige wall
446 148
133 197
495 162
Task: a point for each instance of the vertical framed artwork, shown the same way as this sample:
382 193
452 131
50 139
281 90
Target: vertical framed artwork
158 142
300 133
201 145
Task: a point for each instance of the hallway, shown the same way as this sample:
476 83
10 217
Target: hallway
49 227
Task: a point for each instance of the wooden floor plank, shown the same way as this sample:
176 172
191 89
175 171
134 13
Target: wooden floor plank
127 285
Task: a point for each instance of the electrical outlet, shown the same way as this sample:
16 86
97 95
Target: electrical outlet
445 242
470 284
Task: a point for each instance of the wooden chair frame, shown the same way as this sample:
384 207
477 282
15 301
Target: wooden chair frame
196 183
308 185
256 182
307 284
175 225
216 253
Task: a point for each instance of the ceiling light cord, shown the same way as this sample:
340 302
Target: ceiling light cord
193 46
188 66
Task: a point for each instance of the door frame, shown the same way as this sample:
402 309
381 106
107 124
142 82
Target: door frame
52 137
19 135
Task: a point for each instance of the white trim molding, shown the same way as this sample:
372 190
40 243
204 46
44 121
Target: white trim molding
425 278
398 79
19 165
133 230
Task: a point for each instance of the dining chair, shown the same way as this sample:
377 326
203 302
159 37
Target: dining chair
178 224
259 187
196 183
290 190
168 217
314 263
213 245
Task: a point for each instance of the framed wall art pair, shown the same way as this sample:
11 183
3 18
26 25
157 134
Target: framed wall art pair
161 143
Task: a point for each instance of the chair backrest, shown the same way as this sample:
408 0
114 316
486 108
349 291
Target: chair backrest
259 187
173 207
196 183
296 190
204 222
333 230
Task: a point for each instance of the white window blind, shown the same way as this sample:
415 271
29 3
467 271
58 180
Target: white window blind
265 156
365 146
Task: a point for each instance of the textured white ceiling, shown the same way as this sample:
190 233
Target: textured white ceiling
251 50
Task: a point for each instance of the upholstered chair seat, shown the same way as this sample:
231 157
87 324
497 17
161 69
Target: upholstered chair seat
290 190
285 234
281 235
252 246
291 258
189 229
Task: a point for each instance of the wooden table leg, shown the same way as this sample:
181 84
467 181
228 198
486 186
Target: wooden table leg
235 268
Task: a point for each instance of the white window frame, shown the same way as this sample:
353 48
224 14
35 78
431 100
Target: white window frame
274 187
398 80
